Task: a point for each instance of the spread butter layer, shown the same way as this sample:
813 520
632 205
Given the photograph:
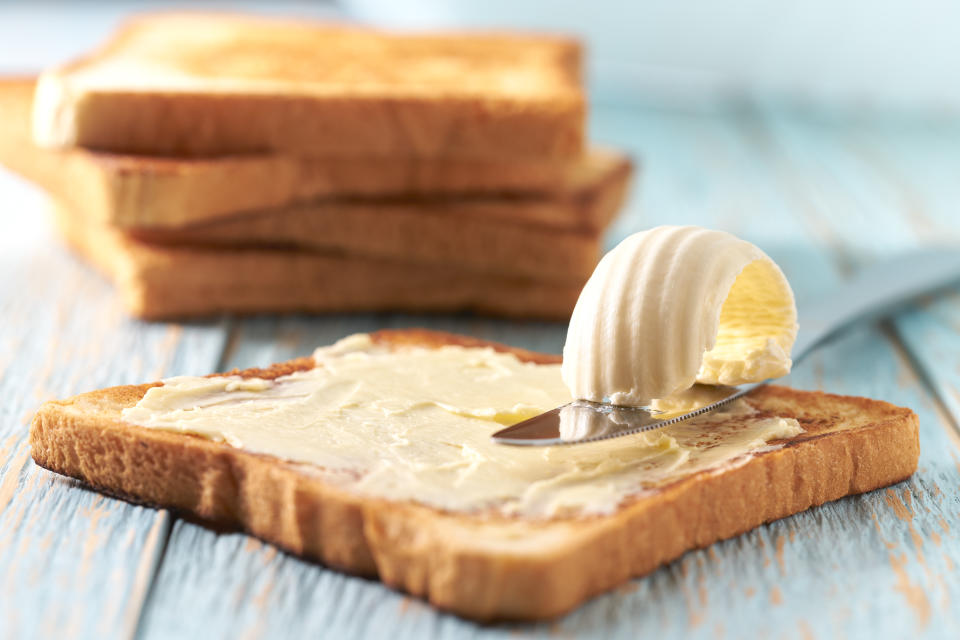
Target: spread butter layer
415 424
673 306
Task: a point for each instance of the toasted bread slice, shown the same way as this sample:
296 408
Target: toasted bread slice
405 233
149 191
162 282
207 84
479 565
553 240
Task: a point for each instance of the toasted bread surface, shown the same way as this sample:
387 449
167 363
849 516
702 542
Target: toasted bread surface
157 192
479 565
193 83
161 282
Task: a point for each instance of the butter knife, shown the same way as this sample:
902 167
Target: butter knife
875 292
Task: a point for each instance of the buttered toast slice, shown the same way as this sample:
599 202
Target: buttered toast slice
480 563
162 192
208 84
157 281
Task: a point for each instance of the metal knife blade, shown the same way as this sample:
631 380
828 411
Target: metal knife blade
584 421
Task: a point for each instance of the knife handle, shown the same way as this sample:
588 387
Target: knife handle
875 292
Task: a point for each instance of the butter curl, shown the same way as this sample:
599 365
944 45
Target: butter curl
672 306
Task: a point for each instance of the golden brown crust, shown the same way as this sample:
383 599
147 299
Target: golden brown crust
479 566
389 100
153 194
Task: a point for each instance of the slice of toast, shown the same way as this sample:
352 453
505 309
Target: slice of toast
479 565
162 282
550 239
207 84
150 191
442 236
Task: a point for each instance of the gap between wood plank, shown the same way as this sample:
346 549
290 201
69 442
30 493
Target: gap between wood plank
903 353
159 537
229 345
757 131
149 568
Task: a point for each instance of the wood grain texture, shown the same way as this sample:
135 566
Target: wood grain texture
822 197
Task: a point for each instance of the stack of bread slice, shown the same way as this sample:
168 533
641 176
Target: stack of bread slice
214 163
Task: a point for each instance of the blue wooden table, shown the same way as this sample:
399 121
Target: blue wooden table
822 195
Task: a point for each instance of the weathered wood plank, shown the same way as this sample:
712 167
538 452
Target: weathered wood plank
898 191
875 565
932 335
918 167
72 562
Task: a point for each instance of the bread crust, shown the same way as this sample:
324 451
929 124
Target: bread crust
482 566
360 93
